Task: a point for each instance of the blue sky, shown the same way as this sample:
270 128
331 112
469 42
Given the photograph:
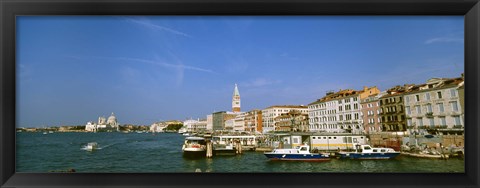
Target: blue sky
73 69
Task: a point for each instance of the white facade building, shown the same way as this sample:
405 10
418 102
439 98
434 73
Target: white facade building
239 122
198 125
158 127
209 122
434 105
103 124
269 114
339 112
229 124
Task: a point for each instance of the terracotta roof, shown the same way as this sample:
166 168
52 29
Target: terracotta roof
287 106
338 95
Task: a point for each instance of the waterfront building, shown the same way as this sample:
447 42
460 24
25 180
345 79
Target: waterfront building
229 124
253 121
198 125
435 107
339 112
269 114
371 113
236 100
209 122
239 122
103 124
461 96
219 119
392 109
292 121
158 127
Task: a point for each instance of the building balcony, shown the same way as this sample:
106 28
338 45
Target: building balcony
429 114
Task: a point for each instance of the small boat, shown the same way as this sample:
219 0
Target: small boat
91 146
426 155
45 133
194 147
300 153
364 151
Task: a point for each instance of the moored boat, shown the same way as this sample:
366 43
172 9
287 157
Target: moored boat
364 151
300 153
194 147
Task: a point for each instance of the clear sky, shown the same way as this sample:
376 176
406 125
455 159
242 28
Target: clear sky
73 69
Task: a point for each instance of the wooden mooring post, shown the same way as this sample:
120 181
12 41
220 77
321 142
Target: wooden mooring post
209 149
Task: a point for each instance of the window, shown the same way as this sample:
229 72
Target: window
453 93
407 99
417 98
439 94
356 115
340 108
409 122
427 96
429 108
419 122
419 110
443 122
430 120
454 106
355 106
440 107
354 98
457 120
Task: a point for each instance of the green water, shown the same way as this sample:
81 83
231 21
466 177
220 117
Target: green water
145 152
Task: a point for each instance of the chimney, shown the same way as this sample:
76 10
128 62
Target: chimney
365 88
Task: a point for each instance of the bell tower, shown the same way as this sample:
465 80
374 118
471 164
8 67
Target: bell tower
236 100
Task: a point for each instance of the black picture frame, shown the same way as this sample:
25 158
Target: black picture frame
11 8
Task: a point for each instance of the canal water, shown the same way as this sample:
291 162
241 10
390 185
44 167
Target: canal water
146 152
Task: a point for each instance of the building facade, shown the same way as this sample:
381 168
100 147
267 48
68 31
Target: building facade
198 125
219 119
209 122
392 109
253 121
339 112
435 107
103 124
269 114
239 122
292 121
371 113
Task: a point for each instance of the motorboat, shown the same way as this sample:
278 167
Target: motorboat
300 153
363 151
194 147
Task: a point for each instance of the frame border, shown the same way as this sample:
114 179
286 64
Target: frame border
11 8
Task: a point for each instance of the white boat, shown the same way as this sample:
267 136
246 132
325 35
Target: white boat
300 153
91 146
363 151
194 147
182 130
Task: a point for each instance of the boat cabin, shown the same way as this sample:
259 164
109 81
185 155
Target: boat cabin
302 149
363 148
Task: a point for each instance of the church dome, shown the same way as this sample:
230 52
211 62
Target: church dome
112 119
